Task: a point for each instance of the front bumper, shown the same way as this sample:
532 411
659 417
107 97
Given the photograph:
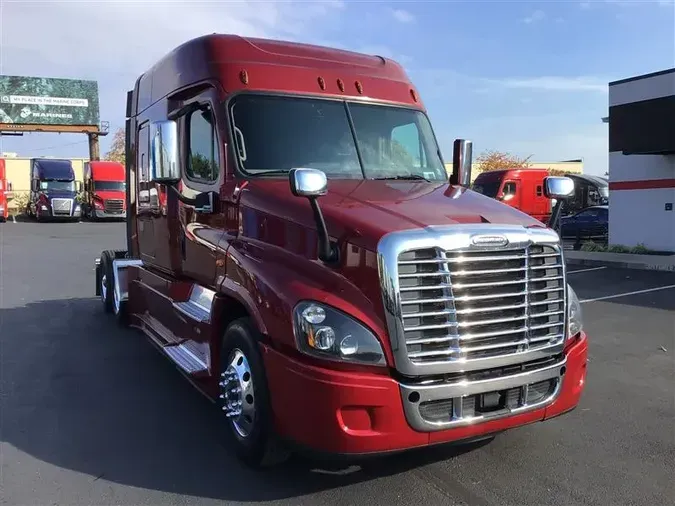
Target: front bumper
348 413
104 215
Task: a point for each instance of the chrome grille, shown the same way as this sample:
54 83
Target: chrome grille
62 206
466 305
113 205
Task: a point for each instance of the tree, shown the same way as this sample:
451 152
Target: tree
496 160
116 153
557 172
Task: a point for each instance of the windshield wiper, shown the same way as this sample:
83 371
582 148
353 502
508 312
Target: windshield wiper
407 177
271 172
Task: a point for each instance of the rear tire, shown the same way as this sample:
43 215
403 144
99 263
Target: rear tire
245 398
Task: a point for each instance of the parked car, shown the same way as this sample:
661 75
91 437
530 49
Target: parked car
590 223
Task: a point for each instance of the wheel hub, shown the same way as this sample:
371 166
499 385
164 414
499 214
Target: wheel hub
236 393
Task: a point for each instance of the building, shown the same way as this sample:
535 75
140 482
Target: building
642 161
569 166
18 172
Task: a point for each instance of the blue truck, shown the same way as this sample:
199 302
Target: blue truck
53 190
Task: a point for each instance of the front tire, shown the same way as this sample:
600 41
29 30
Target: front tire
245 399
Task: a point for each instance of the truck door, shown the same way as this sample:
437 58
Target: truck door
198 234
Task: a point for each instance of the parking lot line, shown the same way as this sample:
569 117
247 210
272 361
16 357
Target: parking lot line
637 292
587 270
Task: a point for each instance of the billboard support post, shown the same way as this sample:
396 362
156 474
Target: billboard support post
94 154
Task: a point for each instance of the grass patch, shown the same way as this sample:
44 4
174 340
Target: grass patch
640 249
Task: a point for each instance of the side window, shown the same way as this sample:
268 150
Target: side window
540 191
509 188
203 157
405 146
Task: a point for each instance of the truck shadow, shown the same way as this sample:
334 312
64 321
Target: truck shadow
82 394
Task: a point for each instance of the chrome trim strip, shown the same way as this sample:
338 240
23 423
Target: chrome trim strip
458 390
447 239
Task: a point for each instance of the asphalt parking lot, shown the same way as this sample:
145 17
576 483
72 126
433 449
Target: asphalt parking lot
92 414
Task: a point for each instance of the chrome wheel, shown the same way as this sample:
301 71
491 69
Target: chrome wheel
104 288
236 387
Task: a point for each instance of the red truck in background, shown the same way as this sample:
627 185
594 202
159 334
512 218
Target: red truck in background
311 269
519 188
5 192
104 190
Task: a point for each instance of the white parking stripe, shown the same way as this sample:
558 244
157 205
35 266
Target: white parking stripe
637 292
587 270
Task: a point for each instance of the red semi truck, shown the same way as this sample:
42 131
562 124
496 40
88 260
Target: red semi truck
5 192
312 270
519 188
104 190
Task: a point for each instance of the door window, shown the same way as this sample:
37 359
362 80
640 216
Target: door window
203 157
509 190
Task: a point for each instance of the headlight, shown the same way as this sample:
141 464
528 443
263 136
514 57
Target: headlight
574 317
325 332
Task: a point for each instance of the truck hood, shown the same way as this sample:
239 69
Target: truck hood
58 194
362 211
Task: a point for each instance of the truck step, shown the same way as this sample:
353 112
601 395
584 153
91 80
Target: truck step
198 306
186 359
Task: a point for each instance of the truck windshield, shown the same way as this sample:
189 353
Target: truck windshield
109 186
487 188
275 134
58 185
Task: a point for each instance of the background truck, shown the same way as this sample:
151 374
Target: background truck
53 190
519 188
311 269
589 191
104 190
5 192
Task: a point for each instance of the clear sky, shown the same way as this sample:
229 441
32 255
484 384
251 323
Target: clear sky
525 77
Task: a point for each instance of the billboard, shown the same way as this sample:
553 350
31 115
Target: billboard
48 101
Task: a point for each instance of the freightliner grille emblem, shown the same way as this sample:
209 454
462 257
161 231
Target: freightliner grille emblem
489 240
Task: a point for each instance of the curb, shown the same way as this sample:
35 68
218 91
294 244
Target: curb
623 264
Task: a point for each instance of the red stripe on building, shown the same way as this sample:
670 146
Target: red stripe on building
645 184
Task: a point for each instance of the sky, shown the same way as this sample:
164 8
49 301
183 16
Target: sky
526 77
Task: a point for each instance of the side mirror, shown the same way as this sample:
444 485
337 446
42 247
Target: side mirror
308 182
312 183
164 152
559 188
462 155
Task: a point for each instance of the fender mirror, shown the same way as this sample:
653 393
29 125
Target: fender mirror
559 188
312 183
164 167
308 182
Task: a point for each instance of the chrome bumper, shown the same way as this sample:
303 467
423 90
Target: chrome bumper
447 405
104 214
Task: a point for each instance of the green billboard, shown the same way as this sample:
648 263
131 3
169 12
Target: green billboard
48 101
